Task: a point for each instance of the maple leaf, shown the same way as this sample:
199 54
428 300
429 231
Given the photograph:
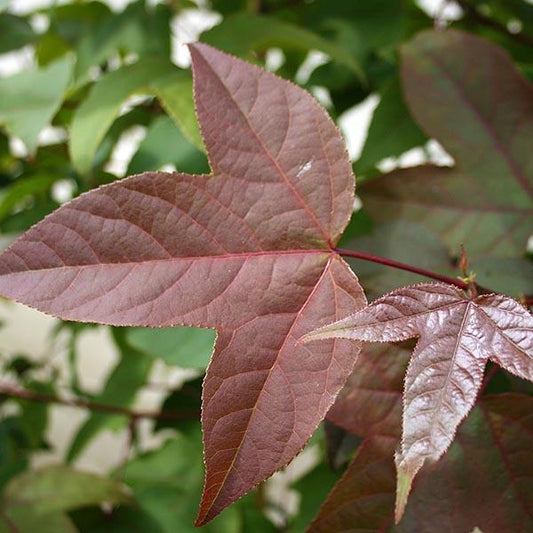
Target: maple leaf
457 336
248 251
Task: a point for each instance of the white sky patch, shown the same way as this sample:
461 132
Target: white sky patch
354 124
187 28
124 150
63 190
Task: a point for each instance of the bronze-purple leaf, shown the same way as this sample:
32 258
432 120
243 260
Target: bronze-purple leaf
484 482
248 251
457 335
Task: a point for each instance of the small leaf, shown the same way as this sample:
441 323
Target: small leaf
96 114
26 519
44 88
164 143
185 347
243 32
457 336
15 32
174 92
137 30
59 488
21 189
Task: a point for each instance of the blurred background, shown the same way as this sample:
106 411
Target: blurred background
92 91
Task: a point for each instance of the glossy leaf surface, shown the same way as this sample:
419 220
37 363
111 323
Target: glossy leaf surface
456 338
246 251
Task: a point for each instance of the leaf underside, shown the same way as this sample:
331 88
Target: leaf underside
457 336
247 250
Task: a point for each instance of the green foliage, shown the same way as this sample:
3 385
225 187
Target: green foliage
98 73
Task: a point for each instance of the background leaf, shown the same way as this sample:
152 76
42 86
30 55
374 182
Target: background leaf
44 88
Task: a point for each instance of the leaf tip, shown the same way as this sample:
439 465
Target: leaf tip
405 476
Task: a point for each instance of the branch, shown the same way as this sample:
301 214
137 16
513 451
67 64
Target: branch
402 266
24 394
475 15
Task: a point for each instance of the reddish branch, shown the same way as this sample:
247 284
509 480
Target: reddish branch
402 266
17 392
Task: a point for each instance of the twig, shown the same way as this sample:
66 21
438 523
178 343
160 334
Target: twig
402 266
474 14
17 392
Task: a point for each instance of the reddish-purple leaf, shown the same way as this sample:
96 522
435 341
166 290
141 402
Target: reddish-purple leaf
457 336
362 501
484 481
247 251
467 93
370 403
455 205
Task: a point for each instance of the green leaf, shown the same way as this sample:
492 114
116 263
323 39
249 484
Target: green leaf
138 30
510 275
15 32
165 143
374 25
122 519
245 32
26 520
313 488
50 48
167 484
13 449
60 488
125 380
187 399
185 347
175 94
34 416
392 130
44 88
96 114
22 189
22 220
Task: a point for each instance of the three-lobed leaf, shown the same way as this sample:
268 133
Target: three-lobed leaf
457 336
248 251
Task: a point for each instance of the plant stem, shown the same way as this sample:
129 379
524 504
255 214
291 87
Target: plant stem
17 392
401 266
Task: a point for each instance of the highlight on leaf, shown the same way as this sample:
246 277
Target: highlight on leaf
457 336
